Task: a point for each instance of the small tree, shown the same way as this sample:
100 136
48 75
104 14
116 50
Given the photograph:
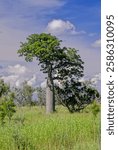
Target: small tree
7 106
95 108
4 88
23 94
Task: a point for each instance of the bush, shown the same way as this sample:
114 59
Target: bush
95 108
7 107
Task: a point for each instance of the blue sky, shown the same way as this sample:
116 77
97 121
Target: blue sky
84 14
76 22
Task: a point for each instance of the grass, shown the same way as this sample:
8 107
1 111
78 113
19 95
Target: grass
31 129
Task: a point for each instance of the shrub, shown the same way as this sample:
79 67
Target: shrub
7 107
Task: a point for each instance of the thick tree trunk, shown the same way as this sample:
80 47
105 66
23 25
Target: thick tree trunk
50 95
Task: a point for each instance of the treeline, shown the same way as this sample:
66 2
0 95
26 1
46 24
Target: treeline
26 95
12 97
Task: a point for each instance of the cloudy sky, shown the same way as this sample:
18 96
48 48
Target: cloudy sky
76 22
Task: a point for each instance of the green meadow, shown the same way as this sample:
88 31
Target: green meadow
31 129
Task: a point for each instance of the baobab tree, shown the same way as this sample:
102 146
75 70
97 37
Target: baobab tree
60 63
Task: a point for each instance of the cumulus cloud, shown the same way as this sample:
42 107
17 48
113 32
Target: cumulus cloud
58 26
56 82
93 80
17 69
32 81
97 44
17 83
43 84
17 74
10 79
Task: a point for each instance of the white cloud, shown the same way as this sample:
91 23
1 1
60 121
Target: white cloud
17 74
97 44
96 79
82 79
18 83
56 82
43 84
93 80
58 26
32 81
17 69
10 79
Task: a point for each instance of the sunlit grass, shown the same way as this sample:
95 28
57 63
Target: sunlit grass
32 129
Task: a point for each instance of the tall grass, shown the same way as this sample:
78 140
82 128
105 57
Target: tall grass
31 129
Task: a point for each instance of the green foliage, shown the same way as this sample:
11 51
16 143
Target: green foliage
76 95
4 88
60 63
7 107
70 65
95 108
27 92
41 46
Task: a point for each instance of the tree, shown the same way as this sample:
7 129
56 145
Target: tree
7 106
47 50
4 88
23 94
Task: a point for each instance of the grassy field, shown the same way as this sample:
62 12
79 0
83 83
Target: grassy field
31 129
